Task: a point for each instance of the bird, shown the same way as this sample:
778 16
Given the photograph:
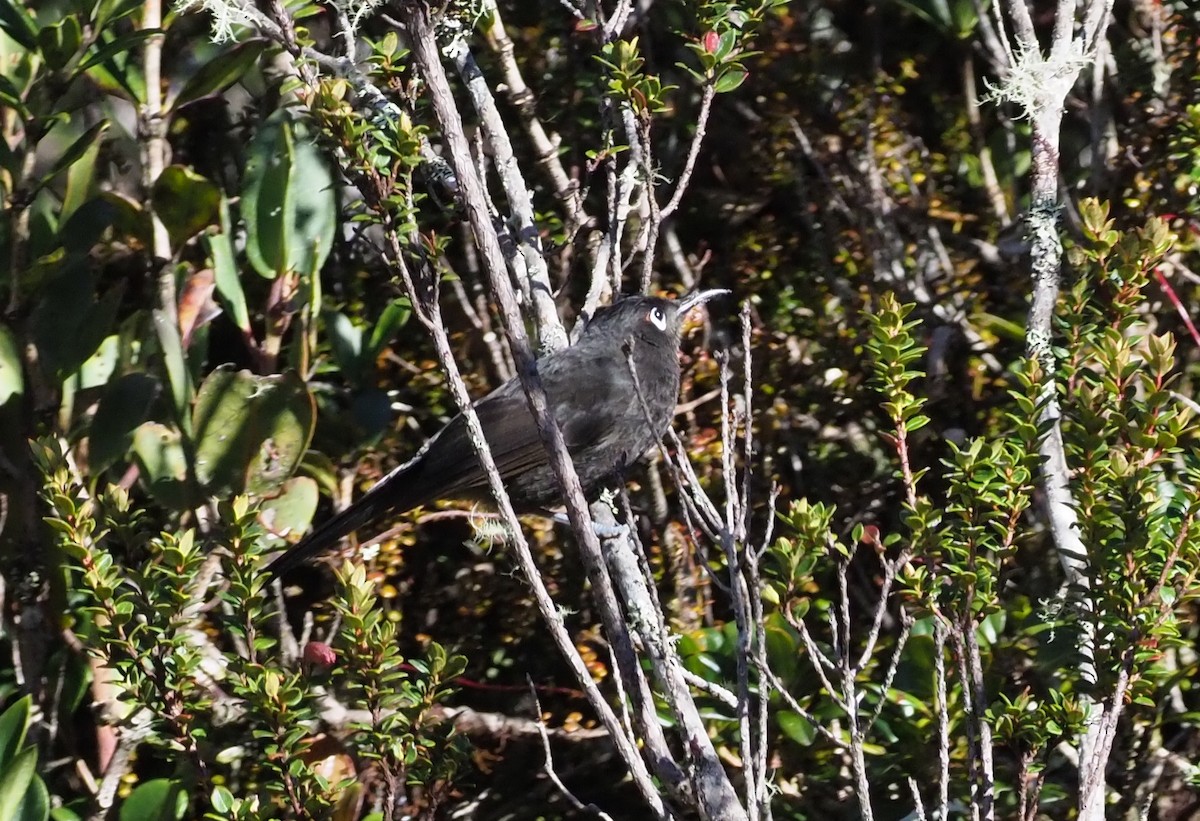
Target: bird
594 396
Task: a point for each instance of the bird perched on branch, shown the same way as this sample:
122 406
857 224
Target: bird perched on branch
591 390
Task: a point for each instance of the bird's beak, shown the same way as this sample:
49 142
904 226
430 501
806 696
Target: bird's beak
699 298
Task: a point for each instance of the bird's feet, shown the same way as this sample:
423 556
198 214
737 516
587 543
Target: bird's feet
602 531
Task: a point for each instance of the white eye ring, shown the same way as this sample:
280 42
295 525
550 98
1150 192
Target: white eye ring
657 318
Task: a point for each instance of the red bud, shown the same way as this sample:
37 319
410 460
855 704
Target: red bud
319 656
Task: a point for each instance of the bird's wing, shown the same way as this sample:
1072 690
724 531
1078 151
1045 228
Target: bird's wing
580 390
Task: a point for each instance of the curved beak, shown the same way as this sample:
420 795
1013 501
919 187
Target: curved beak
699 298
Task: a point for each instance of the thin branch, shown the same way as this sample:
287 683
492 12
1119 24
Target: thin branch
549 765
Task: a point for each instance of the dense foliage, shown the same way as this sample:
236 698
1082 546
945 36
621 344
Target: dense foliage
247 274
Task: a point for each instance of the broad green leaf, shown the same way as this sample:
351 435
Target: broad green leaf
60 41
101 365
222 71
15 780
35 805
186 202
11 97
288 203
121 76
89 222
81 182
129 220
13 724
160 455
264 204
796 727
291 510
731 78
69 328
110 11
346 343
124 405
158 800
250 431
120 45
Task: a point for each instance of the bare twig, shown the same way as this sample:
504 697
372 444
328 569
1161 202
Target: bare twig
549 765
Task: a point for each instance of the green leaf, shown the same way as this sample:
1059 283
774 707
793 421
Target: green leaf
346 343
796 727
292 509
60 41
175 363
160 455
15 780
13 724
288 203
110 11
123 407
222 800
11 97
69 328
18 24
121 76
98 368
88 222
81 185
251 431
186 202
159 800
12 379
35 805
120 45
220 72
83 143
228 277
730 78
395 316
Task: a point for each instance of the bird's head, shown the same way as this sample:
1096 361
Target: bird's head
652 319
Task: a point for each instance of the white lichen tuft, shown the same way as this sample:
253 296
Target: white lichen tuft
488 532
358 10
226 14
1036 82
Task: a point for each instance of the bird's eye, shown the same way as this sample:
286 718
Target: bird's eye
657 318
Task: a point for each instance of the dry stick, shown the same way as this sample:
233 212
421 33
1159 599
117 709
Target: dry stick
416 18
622 192
750 560
658 215
968 698
986 797
848 674
991 180
549 766
519 94
1057 75
916 794
741 595
550 329
943 716
616 23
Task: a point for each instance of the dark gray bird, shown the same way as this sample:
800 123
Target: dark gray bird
593 396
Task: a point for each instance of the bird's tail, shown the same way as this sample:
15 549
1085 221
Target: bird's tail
399 491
